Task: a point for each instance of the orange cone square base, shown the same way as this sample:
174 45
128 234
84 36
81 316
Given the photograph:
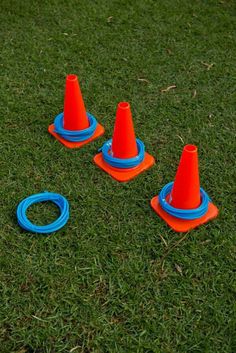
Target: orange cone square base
181 225
124 175
98 132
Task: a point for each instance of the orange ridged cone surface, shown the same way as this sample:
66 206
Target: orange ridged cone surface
124 146
185 194
124 141
186 189
75 117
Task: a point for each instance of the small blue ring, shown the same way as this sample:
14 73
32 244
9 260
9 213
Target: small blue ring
182 213
119 162
58 199
78 135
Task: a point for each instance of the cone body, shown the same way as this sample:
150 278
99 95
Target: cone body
75 117
124 141
186 189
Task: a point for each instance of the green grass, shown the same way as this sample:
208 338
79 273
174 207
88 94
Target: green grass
108 282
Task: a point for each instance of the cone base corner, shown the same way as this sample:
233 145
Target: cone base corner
98 132
124 175
181 225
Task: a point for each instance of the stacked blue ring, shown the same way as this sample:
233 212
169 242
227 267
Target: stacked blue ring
75 136
58 199
182 213
123 163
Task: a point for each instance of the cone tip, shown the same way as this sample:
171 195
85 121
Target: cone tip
71 77
123 105
190 148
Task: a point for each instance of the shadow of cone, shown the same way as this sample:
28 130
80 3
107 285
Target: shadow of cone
75 117
124 146
185 194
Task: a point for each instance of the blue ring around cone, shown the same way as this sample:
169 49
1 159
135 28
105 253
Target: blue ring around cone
182 213
78 135
119 162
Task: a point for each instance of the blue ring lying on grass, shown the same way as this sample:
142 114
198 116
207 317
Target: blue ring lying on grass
75 136
182 213
119 162
58 199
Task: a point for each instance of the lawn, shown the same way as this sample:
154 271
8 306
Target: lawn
116 279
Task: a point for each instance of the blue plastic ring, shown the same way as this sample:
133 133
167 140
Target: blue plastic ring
182 213
78 135
58 199
119 162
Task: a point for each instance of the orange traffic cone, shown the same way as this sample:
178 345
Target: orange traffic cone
183 204
124 156
74 127
75 117
124 141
